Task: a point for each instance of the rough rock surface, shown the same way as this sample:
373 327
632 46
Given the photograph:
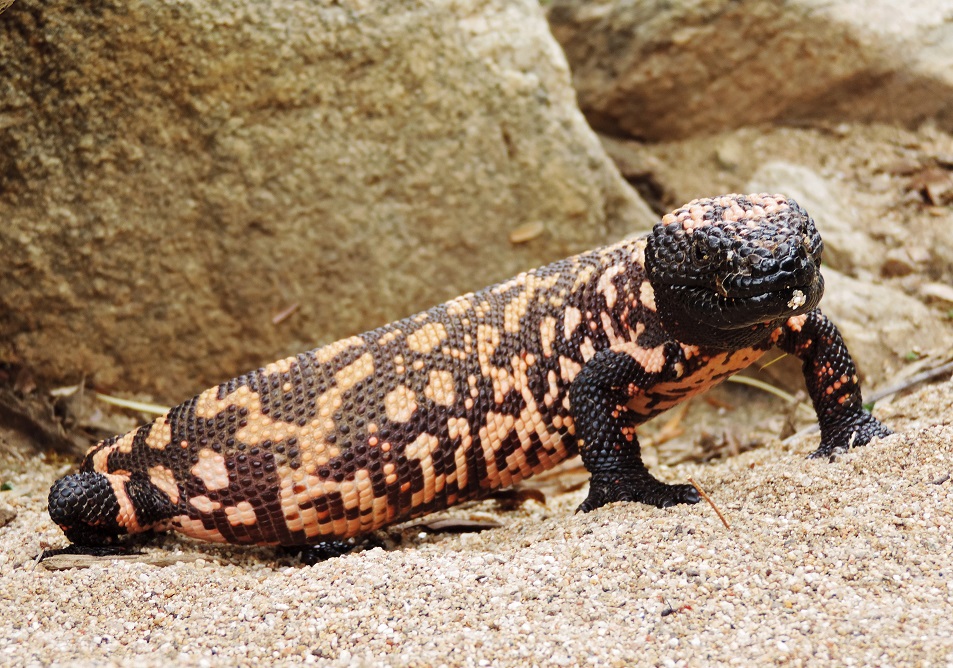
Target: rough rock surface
4 4
657 70
174 176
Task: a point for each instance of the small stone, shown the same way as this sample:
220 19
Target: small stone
527 232
7 515
729 153
897 262
937 291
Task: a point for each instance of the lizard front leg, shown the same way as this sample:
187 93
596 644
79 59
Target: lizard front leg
605 429
831 380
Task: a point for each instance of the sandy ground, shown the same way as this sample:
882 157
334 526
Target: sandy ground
846 563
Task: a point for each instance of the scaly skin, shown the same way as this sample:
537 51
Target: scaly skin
484 391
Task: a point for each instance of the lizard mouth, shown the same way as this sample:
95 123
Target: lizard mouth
757 276
741 300
749 305
747 287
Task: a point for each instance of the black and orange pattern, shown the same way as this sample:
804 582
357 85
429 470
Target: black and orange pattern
484 391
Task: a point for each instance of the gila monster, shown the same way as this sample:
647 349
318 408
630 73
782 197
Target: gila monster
484 391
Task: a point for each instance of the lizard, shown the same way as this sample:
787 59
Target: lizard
485 390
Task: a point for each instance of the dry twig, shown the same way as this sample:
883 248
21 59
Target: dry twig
710 502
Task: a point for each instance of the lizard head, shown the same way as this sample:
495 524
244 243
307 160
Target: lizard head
726 270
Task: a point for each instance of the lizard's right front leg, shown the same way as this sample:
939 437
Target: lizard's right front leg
605 429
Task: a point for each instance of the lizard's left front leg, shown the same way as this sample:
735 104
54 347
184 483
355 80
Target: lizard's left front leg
605 429
831 380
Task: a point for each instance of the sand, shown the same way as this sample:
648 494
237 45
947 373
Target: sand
847 562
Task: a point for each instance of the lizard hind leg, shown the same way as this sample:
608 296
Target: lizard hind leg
607 441
95 509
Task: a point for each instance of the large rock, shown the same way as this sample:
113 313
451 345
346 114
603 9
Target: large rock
656 69
173 176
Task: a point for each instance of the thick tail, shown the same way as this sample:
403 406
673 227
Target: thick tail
97 508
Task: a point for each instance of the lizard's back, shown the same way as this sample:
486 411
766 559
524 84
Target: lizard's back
418 415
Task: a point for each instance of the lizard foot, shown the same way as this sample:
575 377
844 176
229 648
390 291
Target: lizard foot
857 432
605 489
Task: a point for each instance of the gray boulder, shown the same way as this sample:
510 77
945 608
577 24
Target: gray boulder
657 70
191 190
